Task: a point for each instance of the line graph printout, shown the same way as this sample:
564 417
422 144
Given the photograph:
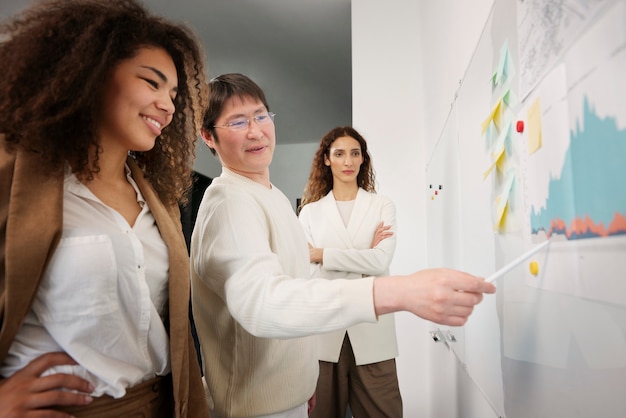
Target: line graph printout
578 193
565 327
543 28
552 341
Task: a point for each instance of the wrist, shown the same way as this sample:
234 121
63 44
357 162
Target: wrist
320 255
387 298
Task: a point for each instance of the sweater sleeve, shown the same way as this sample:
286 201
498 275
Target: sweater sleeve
253 255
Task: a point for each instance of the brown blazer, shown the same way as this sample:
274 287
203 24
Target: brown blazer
31 209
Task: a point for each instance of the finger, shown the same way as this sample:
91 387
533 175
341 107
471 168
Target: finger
62 381
457 315
46 361
57 397
469 283
463 300
455 321
481 286
48 414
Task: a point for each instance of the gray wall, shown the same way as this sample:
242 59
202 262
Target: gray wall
289 171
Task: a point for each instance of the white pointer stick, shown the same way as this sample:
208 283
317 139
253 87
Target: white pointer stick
495 276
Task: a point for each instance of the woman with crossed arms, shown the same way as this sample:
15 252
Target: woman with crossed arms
351 234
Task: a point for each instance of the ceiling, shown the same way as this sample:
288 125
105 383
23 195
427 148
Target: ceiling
298 51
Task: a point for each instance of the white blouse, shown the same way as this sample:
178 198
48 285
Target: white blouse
103 297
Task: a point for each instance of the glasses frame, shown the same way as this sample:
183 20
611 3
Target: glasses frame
230 125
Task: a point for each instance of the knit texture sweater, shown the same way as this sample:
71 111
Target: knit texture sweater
254 303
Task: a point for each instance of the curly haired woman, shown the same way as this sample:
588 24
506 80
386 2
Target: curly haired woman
351 234
99 114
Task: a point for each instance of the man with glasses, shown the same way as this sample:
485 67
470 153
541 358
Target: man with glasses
254 304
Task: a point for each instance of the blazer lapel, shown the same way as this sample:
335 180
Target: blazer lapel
33 229
168 222
359 213
329 206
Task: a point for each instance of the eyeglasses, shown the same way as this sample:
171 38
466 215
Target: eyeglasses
240 124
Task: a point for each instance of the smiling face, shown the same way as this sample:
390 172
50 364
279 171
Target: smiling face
138 101
344 159
247 151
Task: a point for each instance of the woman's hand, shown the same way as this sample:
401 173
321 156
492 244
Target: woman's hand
316 254
382 232
27 394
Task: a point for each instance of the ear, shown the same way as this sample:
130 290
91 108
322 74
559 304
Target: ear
326 161
207 138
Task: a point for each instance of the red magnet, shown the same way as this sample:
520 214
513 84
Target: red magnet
520 126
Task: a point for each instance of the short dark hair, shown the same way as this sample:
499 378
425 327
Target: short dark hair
224 87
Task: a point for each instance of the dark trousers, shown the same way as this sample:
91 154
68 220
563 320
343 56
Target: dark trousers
150 399
371 390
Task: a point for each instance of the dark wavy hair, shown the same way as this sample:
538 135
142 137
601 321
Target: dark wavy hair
321 177
56 58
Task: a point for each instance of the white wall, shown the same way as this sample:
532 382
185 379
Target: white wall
407 60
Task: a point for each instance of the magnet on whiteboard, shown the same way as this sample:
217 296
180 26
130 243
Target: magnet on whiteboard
520 126
534 268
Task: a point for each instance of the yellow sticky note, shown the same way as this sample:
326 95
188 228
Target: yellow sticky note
502 223
501 209
500 160
502 203
489 170
493 116
497 114
533 123
498 157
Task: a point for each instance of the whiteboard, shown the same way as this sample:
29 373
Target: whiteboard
552 341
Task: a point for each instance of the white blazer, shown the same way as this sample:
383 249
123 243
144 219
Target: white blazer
347 255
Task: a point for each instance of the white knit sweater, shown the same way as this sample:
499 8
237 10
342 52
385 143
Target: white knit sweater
254 303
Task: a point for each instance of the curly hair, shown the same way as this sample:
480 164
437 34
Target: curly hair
321 177
56 58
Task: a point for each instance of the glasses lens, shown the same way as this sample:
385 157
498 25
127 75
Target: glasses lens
242 123
238 124
264 118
